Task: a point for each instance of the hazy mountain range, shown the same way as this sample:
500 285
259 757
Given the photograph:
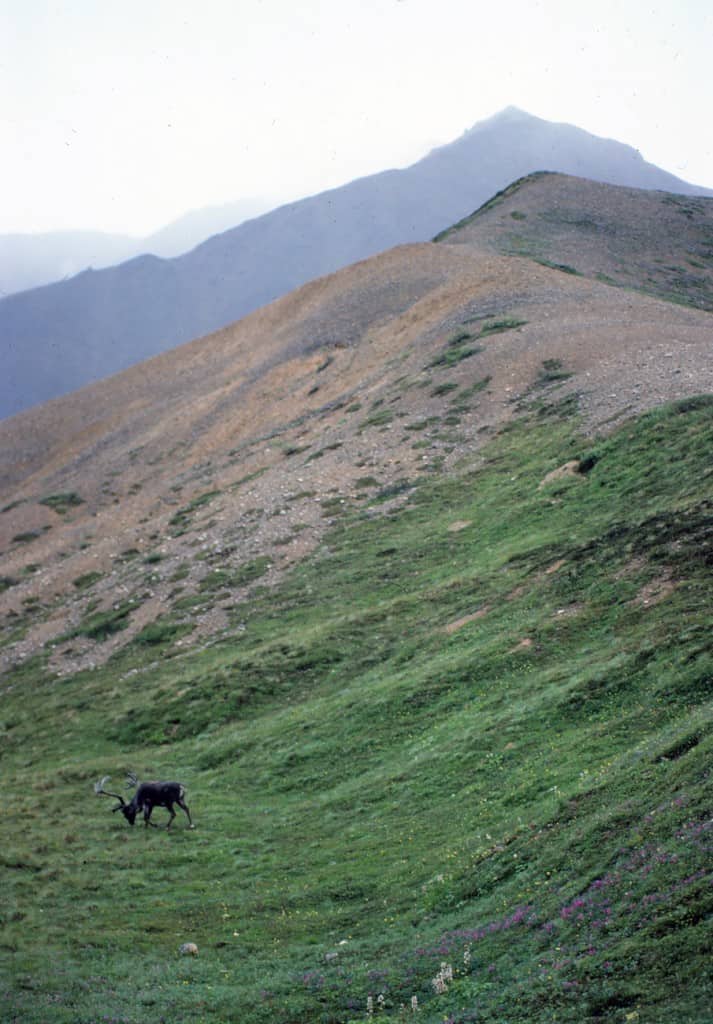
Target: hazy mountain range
56 338
32 260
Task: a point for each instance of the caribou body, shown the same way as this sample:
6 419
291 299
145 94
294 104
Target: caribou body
147 796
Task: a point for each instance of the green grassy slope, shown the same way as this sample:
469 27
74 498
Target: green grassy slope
472 732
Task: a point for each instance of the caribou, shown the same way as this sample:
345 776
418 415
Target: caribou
147 796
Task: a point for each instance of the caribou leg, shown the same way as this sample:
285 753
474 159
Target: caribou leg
184 806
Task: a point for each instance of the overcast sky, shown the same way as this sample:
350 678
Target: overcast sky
122 116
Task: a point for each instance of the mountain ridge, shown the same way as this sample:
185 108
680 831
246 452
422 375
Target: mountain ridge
81 330
660 243
364 360
33 260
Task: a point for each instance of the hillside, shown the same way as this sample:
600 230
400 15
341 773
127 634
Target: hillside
655 242
57 338
406 577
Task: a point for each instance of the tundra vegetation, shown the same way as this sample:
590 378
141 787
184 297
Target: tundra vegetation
62 502
455 767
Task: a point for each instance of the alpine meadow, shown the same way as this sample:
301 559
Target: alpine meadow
406 578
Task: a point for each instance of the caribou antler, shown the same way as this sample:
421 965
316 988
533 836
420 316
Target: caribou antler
100 791
131 780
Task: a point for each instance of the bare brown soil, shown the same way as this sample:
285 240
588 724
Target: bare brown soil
465 620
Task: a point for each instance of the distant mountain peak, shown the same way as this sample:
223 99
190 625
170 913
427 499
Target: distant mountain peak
512 112
509 114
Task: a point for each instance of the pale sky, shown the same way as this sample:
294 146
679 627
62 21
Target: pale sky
122 116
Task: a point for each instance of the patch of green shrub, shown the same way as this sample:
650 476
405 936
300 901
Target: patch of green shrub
182 572
473 389
552 370
101 625
333 506
188 602
459 347
498 325
162 631
393 490
62 502
26 537
181 519
380 418
453 355
86 580
248 572
563 267
423 424
444 389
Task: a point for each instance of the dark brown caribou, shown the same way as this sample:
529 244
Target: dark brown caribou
147 796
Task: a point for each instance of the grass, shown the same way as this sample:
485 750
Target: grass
551 371
162 631
100 625
248 572
452 356
87 580
379 418
498 325
564 267
62 503
443 389
458 347
182 519
27 536
523 797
